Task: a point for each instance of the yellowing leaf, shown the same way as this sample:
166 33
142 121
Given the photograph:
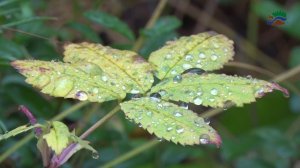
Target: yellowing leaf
133 72
169 121
84 81
213 90
208 51
17 131
58 137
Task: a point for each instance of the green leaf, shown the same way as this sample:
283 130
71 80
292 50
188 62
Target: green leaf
85 30
169 121
110 22
132 71
208 51
82 143
17 131
58 137
84 82
163 25
213 90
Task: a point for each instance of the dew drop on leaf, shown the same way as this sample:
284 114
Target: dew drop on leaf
202 55
179 129
95 155
188 57
198 101
198 122
187 66
204 139
177 79
81 95
197 71
184 105
149 113
214 92
207 121
177 114
214 57
169 129
162 92
155 96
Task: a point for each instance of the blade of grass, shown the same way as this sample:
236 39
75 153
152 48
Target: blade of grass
19 22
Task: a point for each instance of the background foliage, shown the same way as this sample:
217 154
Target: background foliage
263 134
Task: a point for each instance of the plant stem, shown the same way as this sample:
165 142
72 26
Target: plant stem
131 154
158 10
15 147
100 122
27 138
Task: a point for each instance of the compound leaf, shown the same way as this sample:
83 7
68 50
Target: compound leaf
131 70
208 51
58 137
111 22
84 81
169 121
213 90
17 131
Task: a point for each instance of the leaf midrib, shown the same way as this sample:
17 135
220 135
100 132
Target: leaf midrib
184 55
123 70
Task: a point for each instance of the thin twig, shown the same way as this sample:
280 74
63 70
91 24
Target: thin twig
100 122
132 153
139 42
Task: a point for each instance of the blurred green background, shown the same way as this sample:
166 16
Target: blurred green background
264 134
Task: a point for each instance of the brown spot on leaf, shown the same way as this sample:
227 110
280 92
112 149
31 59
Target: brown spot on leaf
138 59
42 69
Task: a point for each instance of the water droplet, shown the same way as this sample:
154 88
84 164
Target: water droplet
187 66
81 95
104 78
124 87
95 90
179 129
214 57
155 96
204 139
169 129
260 92
197 71
168 56
177 79
202 55
159 139
184 105
249 77
95 155
198 122
177 114
140 125
173 72
207 121
198 101
149 113
134 91
162 92
199 93
214 92
188 57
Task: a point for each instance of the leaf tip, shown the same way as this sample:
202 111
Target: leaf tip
276 86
